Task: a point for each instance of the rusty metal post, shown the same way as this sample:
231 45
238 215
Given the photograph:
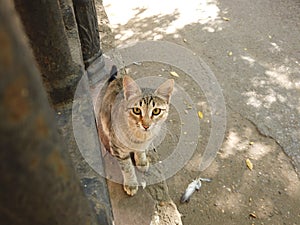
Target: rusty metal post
38 184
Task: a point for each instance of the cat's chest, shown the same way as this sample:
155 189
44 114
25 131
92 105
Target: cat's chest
133 139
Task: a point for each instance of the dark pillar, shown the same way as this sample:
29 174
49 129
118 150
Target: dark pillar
86 18
37 183
53 35
87 23
59 62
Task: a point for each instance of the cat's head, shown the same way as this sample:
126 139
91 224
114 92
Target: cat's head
147 109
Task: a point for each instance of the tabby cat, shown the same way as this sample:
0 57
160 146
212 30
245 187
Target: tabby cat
129 119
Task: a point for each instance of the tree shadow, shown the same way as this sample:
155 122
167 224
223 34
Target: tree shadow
150 28
155 24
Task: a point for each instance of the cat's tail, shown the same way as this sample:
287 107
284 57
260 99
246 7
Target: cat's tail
113 73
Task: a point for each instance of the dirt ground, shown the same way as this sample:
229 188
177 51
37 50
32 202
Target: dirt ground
252 47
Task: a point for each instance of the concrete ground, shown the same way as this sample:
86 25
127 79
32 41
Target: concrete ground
253 49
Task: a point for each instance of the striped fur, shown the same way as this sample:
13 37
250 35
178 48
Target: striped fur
128 121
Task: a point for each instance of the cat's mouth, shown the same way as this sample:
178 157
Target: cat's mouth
145 128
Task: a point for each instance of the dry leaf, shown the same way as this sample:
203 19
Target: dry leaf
200 114
249 164
173 73
225 18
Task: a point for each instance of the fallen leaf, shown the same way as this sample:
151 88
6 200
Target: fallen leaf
200 114
225 18
173 73
249 164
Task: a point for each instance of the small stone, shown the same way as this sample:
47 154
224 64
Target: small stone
143 183
162 203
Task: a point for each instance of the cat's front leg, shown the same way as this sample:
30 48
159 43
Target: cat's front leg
130 184
141 161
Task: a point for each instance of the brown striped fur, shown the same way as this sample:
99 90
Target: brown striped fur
128 120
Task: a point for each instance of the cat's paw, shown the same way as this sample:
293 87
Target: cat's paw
130 189
143 167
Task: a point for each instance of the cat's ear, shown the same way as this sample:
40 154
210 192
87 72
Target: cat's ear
165 90
131 88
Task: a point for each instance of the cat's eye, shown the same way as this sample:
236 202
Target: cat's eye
136 111
156 111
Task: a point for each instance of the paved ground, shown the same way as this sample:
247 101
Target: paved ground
253 49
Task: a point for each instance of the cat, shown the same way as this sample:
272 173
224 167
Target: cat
129 119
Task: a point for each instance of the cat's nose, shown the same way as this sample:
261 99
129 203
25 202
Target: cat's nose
146 126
